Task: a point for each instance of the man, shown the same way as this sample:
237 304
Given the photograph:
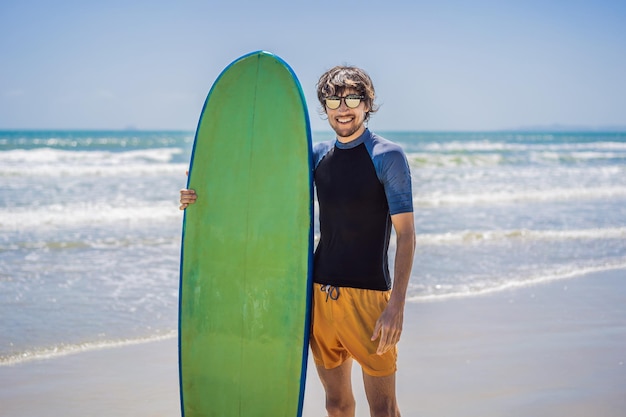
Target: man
363 185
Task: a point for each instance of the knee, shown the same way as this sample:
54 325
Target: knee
339 406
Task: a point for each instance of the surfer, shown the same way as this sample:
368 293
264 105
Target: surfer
363 184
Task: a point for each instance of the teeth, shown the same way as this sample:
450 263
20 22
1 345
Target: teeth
344 119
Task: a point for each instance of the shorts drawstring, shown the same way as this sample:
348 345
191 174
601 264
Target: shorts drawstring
331 291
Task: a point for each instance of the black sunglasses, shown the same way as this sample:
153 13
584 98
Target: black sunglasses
351 100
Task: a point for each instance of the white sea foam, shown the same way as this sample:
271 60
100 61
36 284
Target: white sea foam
554 194
72 349
58 243
420 160
482 146
492 159
57 215
489 153
473 146
474 236
575 156
487 286
59 163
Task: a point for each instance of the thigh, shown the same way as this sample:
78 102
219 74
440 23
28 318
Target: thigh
337 384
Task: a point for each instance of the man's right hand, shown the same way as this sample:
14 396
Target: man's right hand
187 197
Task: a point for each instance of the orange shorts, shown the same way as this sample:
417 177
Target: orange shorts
342 326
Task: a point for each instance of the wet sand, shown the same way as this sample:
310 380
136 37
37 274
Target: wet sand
551 350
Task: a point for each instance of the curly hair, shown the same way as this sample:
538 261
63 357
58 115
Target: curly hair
334 81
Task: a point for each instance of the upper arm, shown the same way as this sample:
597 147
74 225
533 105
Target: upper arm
394 173
403 224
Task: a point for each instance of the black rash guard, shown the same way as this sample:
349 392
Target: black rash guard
359 185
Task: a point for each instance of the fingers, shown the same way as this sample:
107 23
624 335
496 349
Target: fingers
387 342
187 197
389 337
376 331
383 343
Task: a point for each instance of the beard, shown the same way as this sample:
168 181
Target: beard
348 129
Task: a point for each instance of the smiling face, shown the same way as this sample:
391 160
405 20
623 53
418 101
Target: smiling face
348 123
339 82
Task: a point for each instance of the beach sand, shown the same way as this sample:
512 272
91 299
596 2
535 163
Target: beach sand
556 349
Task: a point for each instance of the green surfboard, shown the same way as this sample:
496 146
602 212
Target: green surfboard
246 260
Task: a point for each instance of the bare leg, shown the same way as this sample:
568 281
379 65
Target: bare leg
381 395
337 383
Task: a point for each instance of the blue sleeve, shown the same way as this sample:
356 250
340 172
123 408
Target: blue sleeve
394 173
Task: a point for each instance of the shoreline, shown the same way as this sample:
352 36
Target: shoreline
54 352
553 349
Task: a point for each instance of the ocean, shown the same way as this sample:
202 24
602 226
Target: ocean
90 228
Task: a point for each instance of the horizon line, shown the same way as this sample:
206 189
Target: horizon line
522 129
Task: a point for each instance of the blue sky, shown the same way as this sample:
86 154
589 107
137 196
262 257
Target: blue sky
446 65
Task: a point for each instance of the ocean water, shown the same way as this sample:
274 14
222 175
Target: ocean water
90 227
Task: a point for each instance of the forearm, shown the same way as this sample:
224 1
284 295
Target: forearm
389 324
405 250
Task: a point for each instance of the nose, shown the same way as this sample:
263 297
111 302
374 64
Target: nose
342 105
